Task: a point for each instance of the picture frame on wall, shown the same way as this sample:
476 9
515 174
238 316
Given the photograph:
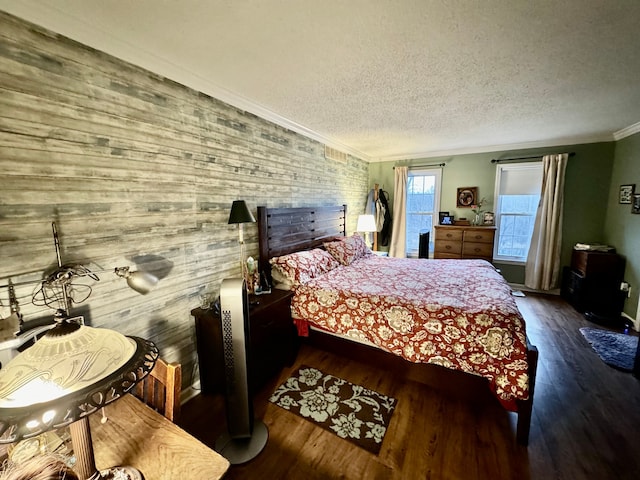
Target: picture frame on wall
466 197
635 205
626 193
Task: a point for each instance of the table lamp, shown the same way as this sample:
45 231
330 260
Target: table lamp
71 372
366 224
240 214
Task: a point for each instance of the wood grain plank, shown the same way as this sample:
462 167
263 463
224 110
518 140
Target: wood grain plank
132 165
136 435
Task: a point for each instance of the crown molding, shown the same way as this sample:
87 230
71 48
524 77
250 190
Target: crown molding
64 23
498 148
626 132
48 16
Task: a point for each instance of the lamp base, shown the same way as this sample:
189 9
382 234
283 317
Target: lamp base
239 451
118 473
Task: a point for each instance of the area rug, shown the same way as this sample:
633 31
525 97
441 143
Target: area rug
615 349
350 411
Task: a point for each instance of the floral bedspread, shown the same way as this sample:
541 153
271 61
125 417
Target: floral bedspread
455 313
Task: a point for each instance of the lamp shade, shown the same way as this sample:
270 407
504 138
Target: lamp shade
141 282
366 223
240 213
69 373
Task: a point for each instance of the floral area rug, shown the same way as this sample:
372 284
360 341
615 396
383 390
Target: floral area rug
350 411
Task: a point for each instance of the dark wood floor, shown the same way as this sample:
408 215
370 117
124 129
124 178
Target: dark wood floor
586 420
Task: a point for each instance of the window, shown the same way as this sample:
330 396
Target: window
518 187
423 200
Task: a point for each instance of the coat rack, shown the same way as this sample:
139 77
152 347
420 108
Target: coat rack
376 193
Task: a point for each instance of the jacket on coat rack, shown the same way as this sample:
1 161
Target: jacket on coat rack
385 232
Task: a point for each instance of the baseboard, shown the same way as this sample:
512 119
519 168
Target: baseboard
522 287
189 392
556 291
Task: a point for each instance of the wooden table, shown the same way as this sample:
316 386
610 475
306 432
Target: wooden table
136 435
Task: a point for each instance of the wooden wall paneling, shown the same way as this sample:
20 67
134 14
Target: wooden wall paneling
132 167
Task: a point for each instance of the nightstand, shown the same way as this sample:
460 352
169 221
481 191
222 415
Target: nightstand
592 285
273 341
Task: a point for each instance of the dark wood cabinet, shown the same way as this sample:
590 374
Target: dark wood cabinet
592 284
273 341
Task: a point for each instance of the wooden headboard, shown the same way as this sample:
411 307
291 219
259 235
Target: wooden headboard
287 230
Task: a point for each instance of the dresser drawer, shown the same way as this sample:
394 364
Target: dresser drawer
478 236
443 255
449 246
463 242
475 249
451 235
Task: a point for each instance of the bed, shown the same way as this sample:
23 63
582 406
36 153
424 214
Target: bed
452 318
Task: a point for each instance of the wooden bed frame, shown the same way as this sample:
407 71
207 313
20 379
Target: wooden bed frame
286 230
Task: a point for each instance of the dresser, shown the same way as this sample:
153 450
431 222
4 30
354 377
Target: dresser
452 241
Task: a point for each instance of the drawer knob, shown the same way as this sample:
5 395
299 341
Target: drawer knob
478 237
448 247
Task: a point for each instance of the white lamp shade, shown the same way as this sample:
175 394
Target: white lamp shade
366 223
51 368
69 373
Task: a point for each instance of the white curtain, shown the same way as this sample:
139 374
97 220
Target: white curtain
398 246
543 262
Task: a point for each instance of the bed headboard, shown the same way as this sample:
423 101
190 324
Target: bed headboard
287 230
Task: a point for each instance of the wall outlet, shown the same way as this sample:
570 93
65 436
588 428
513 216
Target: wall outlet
625 287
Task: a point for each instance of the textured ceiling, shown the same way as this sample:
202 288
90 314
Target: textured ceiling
386 79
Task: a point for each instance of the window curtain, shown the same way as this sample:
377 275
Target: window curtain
398 246
543 262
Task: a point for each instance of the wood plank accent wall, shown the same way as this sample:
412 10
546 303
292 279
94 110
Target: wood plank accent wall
139 170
